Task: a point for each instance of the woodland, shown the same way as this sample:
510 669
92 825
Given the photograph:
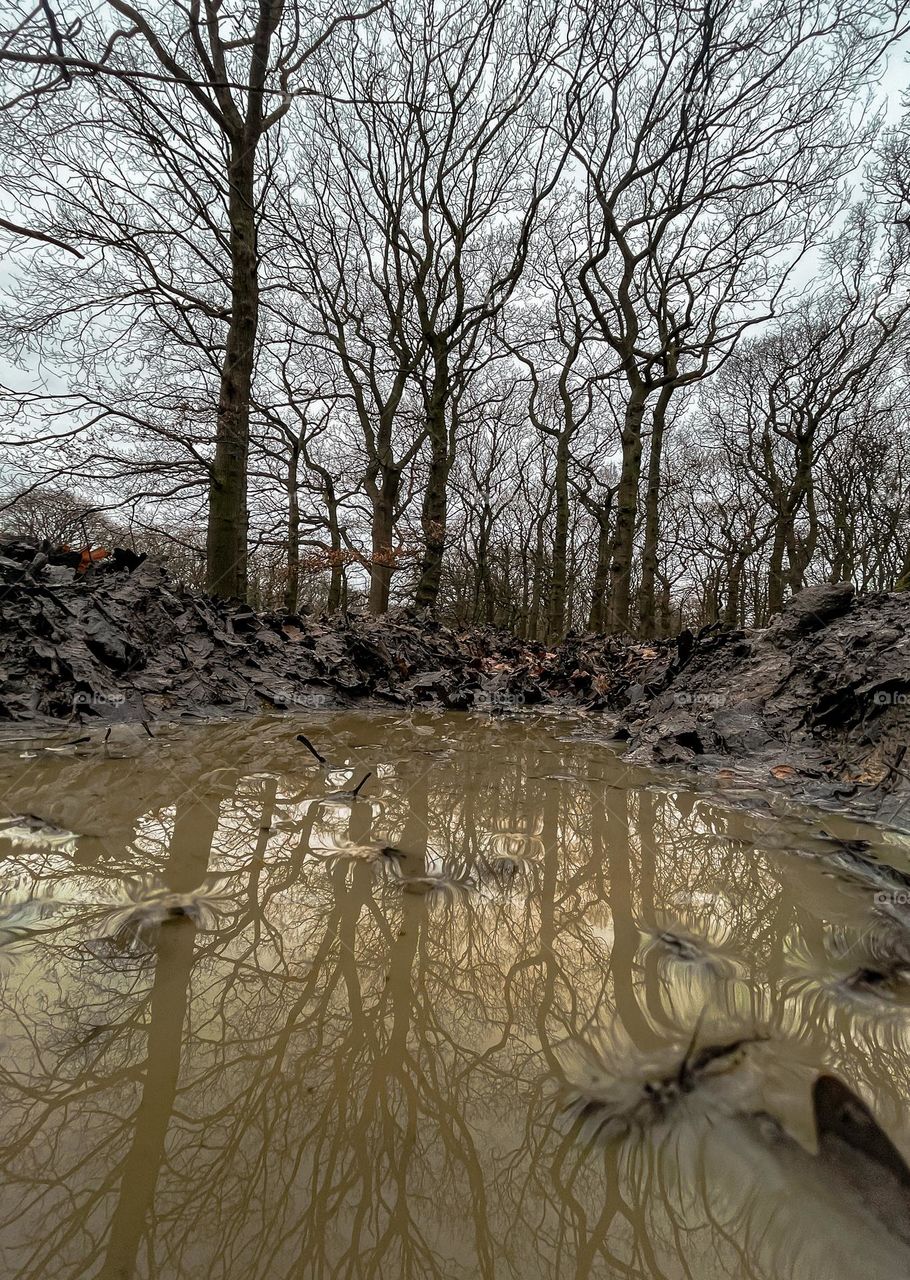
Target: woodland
547 316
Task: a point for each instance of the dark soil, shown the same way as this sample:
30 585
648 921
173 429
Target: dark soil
124 642
826 687
823 693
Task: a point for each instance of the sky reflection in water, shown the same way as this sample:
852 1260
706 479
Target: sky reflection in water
245 1034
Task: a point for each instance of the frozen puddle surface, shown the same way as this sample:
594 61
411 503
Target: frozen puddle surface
254 1025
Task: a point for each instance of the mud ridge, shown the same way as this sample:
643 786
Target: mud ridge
821 694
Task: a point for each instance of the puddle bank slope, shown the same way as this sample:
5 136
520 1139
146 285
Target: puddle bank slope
823 693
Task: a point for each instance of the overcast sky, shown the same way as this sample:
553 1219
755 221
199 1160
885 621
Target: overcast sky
893 85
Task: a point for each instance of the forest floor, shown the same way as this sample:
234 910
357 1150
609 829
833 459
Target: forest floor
817 704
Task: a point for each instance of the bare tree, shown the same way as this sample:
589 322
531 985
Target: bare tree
783 400
712 140
432 163
201 93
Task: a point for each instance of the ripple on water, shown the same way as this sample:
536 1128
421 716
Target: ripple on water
257 1029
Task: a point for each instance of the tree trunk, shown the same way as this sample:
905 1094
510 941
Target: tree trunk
525 580
336 584
597 616
801 553
776 582
646 603
620 599
571 580
666 611
336 578
435 498
556 622
292 589
734 587
226 539
382 564
485 578
537 582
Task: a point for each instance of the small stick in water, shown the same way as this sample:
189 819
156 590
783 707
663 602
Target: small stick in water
684 1073
301 737
348 794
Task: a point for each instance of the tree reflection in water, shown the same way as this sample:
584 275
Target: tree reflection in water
351 1065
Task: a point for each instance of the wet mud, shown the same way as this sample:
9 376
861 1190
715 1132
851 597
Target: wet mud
816 705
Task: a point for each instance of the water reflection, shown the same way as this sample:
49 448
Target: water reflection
262 1026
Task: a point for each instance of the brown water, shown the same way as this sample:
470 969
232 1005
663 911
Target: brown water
248 1031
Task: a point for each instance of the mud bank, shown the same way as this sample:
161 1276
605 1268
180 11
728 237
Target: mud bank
124 642
823 691
822 695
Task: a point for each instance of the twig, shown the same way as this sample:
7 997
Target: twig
301 737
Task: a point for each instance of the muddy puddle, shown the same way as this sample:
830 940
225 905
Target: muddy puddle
510 1010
